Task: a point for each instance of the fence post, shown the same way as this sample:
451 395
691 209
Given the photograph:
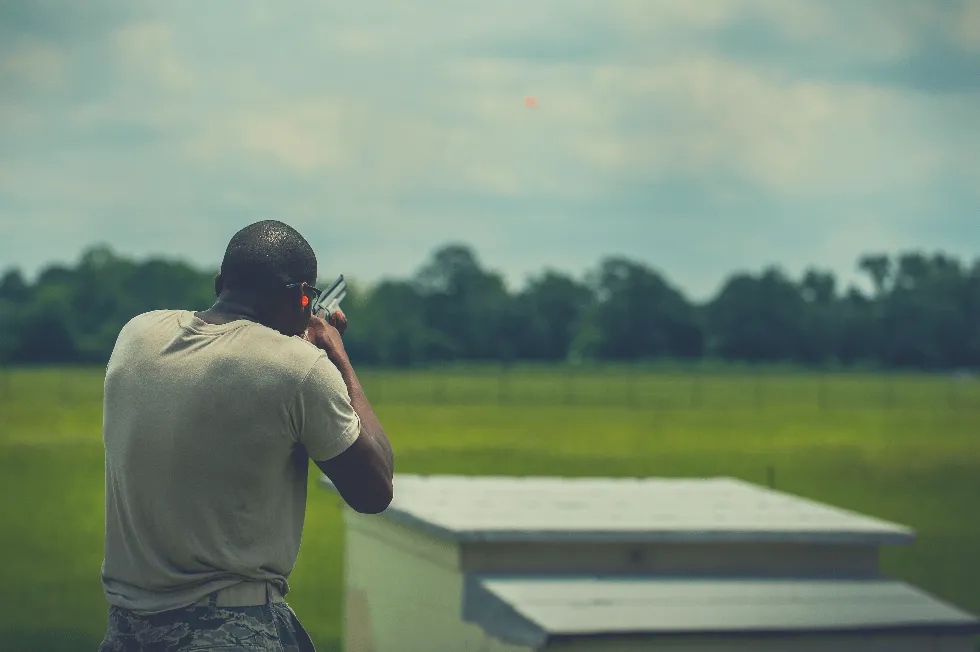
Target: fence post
502 382
438 390
631 385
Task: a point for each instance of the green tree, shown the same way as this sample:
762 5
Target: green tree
759 319
972 314
924 312
818 290
878 267
15 295
388 327
855 338
464 303
546 316
13 287
924 321
639 315
44 335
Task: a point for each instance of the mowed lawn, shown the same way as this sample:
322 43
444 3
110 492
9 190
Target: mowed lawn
899 448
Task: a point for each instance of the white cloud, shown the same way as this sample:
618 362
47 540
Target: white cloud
357 119
17 116
709 116
35 63
302 137
668 16
146 52
966 28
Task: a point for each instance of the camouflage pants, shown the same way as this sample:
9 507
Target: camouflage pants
271 627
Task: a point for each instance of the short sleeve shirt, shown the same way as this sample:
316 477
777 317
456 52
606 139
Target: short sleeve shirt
208 432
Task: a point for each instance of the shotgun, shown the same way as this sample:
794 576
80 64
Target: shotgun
329 301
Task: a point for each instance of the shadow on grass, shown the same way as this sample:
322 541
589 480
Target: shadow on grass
48 640
499 461
69 640
507 462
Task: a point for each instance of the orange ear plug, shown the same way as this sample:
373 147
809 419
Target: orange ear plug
306 300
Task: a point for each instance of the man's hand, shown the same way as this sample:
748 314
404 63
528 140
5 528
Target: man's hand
339 321
326 335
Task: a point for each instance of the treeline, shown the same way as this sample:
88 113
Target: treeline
924 313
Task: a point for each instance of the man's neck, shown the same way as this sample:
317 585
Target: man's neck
228 310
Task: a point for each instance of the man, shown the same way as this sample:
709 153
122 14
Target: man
209 421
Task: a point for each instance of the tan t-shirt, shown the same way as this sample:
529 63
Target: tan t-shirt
208 432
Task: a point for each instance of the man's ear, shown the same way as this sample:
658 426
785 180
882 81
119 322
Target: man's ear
219 284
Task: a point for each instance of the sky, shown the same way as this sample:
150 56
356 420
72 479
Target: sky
699 138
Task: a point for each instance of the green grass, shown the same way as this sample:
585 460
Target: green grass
905 449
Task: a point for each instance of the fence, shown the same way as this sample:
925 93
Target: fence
622 387
635 388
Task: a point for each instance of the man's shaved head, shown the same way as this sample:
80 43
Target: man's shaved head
265 256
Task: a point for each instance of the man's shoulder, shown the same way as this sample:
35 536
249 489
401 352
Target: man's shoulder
155 316
296 345
140 329
269 347
151 318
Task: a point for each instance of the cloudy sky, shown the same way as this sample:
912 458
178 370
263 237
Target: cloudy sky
697 136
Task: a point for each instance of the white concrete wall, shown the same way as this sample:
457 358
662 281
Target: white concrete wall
404 593
810 644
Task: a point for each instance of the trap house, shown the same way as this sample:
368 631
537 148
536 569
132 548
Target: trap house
498 564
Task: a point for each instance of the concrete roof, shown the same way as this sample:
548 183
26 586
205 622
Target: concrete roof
528 611
492 508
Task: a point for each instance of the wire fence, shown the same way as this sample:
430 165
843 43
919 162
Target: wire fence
621 387
670 391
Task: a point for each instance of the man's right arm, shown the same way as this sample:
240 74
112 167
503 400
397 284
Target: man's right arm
363 473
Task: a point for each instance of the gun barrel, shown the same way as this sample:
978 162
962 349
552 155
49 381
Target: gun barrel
340 282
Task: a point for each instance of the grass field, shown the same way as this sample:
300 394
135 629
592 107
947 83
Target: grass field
900 448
